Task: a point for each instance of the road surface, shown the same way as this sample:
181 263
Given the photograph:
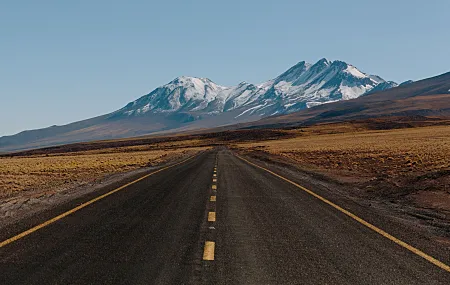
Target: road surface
214 219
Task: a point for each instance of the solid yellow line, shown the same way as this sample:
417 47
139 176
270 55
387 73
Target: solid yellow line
208 252
214 187
213 199
59 217
360 220
211 216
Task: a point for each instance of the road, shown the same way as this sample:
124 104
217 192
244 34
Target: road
213 219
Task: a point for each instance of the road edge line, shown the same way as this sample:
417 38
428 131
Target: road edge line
85 204
403 244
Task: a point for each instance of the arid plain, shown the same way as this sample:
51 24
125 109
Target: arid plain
390 163
405 164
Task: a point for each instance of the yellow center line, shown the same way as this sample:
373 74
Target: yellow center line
213 199
211 216
208 252
214 180
214 175
358 219
65 214
214 187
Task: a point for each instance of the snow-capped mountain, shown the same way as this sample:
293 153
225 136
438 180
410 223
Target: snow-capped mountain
189 103
302 86
382 86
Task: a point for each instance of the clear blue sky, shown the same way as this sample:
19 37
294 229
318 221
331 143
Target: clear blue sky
62 61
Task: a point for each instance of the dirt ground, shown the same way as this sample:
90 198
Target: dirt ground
410 166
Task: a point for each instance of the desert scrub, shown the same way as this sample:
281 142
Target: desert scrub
20 174
391 152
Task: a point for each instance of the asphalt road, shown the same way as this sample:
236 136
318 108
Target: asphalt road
175 228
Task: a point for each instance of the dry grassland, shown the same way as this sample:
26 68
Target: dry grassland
418 149
48 172
400 161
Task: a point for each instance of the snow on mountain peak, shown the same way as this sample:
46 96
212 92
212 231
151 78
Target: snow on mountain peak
323 61
301 86
293 72
195 83
354 71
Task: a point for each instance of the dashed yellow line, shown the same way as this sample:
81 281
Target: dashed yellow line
211 216
65 214
208 252
358 219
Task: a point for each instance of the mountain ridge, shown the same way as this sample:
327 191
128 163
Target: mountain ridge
304 84
429 97
189 102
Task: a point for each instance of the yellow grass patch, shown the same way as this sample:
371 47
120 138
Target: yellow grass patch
19 174
400 150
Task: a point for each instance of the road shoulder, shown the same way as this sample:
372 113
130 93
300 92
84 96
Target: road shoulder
431 236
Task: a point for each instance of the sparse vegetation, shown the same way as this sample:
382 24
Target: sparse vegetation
47 172
418 149
66 166
412 162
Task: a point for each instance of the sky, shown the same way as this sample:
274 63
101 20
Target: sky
63 61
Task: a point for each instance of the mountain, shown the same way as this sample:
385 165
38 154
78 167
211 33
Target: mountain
428 97
406 82
300 87
188 103
381 87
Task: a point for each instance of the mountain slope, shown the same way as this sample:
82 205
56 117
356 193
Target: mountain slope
190 103
302 86
428 97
